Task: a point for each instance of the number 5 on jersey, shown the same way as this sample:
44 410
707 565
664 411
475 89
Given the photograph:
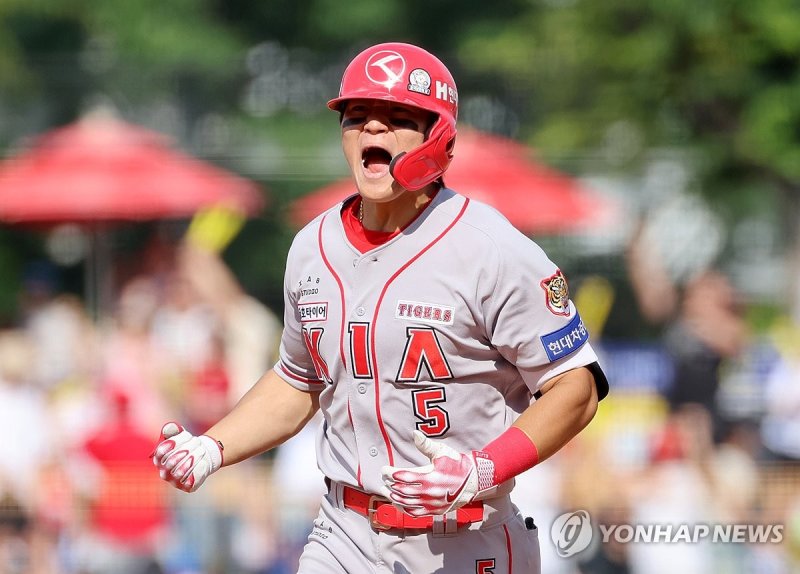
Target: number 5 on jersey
434 420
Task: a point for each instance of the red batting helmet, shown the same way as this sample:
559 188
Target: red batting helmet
408 75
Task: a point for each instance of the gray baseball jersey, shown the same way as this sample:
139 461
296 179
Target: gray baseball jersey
450 328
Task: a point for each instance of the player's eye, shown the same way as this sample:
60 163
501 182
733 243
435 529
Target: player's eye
352 119
405 123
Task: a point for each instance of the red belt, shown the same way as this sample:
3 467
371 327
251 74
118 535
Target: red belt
383 515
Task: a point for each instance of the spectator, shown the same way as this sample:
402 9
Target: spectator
676 488
24 418
128 511
208 391
250 330
60 331
130 360
183 326
702 320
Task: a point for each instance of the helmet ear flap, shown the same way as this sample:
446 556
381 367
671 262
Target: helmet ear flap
422 165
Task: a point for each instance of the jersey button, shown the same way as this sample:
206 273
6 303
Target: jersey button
373 451
362 388
360 311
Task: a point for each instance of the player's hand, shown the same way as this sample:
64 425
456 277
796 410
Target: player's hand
185 460
451 480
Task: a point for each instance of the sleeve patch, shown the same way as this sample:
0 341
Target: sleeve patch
566 340
556 293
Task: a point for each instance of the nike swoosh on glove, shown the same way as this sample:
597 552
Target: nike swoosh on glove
185 460
451 480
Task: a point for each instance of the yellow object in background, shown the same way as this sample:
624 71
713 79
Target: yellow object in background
593 299
214 228
785 335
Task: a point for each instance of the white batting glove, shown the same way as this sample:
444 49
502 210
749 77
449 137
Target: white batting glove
185 460
452 480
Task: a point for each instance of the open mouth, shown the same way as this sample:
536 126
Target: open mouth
375 160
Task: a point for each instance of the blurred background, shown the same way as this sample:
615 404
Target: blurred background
157 158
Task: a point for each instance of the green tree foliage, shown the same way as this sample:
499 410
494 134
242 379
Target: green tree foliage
720 78
610 81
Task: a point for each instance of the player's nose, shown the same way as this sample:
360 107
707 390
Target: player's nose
376 124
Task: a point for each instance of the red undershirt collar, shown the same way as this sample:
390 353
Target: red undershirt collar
362 238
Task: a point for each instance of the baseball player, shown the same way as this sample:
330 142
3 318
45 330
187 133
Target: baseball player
439 343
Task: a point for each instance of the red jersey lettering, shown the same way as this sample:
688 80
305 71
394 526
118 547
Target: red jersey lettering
423 349
359 350
312 338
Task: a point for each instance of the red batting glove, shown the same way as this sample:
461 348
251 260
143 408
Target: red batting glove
451 480
185 460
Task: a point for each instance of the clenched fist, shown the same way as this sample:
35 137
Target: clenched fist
185 460
450 481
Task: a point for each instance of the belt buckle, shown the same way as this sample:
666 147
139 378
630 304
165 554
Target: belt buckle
372 512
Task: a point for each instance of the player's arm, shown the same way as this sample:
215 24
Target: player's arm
270 413
567 404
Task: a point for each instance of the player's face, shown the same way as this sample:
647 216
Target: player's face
373 132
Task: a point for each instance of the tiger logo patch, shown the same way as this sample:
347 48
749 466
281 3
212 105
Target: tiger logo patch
556 293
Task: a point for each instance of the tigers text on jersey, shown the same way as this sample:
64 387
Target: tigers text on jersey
449 328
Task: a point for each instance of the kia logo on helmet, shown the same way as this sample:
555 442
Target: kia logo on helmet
386 68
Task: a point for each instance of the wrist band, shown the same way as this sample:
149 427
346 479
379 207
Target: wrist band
512 453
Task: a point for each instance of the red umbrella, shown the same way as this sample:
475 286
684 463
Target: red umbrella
497 171
103 169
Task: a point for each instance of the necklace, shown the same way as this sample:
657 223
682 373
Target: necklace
361 211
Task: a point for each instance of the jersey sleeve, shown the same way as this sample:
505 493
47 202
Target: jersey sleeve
531 320
294 365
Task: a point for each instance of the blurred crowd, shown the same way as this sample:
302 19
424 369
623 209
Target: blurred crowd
81 404
708 431
702 428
